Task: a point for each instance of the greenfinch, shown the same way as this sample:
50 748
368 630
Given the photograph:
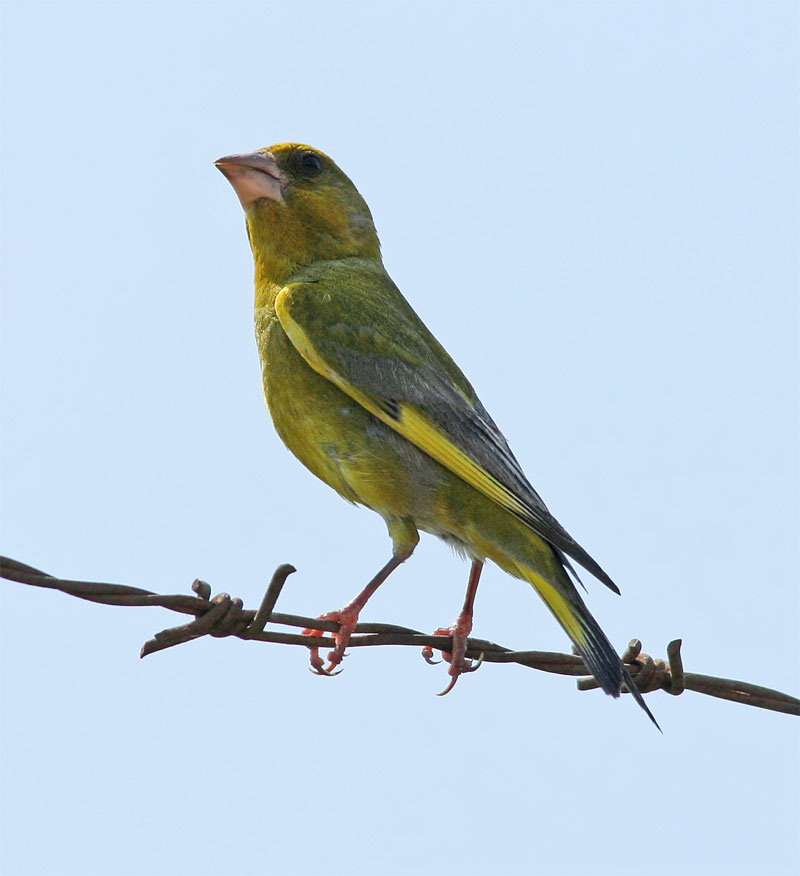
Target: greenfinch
367 399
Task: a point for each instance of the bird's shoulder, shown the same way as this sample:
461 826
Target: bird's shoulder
354 304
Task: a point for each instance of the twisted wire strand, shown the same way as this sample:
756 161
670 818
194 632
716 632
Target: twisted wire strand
223 615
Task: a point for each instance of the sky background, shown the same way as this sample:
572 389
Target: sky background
594 206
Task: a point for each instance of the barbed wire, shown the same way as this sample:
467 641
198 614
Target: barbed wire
223 615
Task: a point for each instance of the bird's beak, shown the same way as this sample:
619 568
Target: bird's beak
253 176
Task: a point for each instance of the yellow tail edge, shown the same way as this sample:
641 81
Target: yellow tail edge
592 643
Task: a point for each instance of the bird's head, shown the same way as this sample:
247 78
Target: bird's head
300 208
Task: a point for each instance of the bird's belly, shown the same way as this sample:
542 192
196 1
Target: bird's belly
337 439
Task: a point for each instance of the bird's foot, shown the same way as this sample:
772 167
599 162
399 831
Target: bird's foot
347 618
459 664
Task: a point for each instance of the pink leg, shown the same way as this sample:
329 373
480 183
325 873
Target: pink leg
347 618
460 632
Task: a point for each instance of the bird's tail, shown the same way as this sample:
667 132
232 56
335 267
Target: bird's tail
590 641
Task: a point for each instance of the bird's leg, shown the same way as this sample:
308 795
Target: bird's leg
404 537
459 632
347 618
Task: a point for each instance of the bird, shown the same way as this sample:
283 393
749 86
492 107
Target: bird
365 396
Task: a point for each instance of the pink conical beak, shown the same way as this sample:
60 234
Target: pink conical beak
254 175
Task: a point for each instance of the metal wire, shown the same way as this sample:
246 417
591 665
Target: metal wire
222 615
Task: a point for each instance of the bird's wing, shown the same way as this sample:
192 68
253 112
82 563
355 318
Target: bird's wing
361 334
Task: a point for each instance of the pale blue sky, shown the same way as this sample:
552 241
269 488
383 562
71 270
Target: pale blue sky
594 206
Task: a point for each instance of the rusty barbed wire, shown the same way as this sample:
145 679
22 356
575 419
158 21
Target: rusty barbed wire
223 615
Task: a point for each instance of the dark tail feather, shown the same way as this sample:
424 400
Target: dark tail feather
636 694
604 662
591 642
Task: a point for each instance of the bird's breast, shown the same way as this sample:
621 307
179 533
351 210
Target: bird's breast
334 437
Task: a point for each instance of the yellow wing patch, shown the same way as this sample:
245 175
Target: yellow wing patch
418 429
403 418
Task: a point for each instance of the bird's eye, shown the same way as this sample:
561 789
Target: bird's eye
310 163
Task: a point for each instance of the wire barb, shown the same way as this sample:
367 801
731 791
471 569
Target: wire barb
222 615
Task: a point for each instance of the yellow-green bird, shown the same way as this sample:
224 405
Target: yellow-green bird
367 399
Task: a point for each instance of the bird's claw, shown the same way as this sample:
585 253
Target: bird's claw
427 656
450 686
456 672
427 650
459 664
324 671
347 619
